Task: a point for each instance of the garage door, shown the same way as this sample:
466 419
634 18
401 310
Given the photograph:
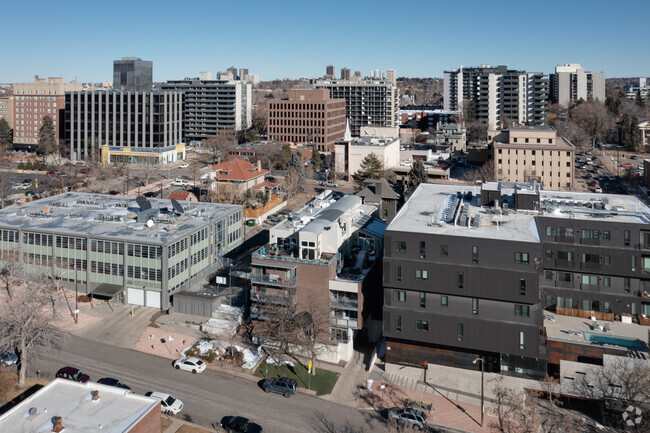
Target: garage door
135 296
153 299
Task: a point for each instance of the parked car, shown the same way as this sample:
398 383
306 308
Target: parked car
113 382
195 365
634 157
14 180
185 165
7 359
270 179
85 170
72 373
150 194
169 404
52 173
409 417
180 182
598 189
281 385
114 192
330 184
238 424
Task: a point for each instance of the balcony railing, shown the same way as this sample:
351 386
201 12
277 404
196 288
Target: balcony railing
591 266
273 280
344 303
565 263
589 288
588 241
343 322
272 297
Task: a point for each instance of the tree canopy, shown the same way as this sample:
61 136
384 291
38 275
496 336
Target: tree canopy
417 176
6 137
47 143
371 168
295 163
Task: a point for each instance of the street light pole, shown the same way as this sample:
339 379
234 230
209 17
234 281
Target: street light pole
482 373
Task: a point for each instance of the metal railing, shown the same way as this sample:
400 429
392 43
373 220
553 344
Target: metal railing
344 303
273 298
275 280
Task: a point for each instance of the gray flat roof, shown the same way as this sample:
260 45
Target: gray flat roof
115 412
425 211
111 217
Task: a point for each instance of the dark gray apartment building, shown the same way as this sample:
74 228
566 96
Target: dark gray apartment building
131 127
212 105
472 272
132 74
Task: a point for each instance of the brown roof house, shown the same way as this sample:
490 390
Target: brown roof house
182 195
240 174
380 193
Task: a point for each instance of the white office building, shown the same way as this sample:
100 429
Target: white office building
571 83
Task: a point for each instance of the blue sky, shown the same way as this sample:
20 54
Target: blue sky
277 39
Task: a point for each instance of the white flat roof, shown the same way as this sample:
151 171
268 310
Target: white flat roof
116 411
426 210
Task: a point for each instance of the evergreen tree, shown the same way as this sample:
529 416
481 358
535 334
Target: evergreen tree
316 160
371 168
625 138
295 163
639 100
6 136
417 176
47 144
634 133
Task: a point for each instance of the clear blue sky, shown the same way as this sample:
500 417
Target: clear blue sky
277 39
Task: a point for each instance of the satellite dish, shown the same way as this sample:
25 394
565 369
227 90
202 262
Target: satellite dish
143 202
150 223
177 207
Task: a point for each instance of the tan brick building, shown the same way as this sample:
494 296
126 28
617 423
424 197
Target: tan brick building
7 109
308 116
33 101
524 153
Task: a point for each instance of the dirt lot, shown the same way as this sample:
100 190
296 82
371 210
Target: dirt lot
8 381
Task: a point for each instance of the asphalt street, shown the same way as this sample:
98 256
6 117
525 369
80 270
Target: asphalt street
208 396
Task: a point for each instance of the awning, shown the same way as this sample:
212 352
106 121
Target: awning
105 290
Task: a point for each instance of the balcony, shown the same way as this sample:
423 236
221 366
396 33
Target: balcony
591 266
273 252
565 239
261 313
344 322
588 241
344 303
273 280
268 297
565 263
589 288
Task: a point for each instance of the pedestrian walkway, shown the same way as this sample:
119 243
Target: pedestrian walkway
350 381
122 328
441 411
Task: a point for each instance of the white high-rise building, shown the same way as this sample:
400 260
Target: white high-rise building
391 76
499 93
571 83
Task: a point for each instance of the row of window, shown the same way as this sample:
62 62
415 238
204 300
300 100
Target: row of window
107 268
400 247
199 236
37 239
108 247
234 218
400 296
569 232
146 251
596 259
234 236
423 325
176 269
144 273
177 247
9 235
533 163
71 242
199 256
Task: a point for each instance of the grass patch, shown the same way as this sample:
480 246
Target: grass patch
322 382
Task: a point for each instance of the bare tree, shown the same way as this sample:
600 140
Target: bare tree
5 187
219 144
148 170
593 118
28 318
484 173
293 182
312 324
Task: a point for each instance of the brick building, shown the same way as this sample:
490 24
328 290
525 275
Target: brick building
33 101
308 116
7 109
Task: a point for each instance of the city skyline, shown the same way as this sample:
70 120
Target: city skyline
424 43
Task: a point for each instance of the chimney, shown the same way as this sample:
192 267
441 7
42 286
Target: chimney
378 188
259 165
95 395
58 426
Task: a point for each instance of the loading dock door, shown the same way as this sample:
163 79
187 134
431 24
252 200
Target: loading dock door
135 296
153 298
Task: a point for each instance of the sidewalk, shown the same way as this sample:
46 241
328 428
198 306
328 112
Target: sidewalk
352 377
444 413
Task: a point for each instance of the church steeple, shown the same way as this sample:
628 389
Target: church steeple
348 135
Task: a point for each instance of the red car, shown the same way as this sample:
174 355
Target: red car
72 373
85 170
52 173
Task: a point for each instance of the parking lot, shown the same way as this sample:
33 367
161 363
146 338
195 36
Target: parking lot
602 172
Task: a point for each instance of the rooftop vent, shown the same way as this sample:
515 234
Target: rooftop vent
58 424
32 414
95 395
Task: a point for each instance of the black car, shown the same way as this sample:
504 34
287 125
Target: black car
150 194
238 424
113 382
282 385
